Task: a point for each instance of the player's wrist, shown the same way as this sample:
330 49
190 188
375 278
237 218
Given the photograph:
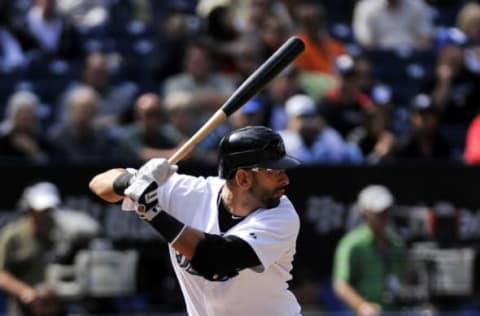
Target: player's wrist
122 182
168 226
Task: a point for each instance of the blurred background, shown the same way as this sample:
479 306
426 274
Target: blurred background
386 92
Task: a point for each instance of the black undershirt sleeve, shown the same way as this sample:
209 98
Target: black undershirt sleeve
219 258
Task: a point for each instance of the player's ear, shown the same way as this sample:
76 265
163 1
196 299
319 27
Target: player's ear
243 178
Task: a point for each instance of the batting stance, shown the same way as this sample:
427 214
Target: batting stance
231 238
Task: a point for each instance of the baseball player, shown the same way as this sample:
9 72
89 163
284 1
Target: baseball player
231 238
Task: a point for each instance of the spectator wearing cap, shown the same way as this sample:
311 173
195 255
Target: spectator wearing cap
26 246
309 139
43 232
367 263
424 140
345 106
251 113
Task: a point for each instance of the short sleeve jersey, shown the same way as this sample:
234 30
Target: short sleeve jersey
272 234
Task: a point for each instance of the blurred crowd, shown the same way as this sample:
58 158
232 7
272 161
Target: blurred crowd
380 81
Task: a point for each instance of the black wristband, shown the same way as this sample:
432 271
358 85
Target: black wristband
167 225
121 183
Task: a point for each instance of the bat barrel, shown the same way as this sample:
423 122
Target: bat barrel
282 57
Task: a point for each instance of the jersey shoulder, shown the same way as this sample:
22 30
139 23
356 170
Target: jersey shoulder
282 215
187 183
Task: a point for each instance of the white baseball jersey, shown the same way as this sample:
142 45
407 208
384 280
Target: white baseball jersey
272 234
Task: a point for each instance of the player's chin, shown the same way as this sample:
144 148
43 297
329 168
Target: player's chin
271 203
274 201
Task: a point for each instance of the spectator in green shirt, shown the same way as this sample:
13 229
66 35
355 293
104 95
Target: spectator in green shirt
367 263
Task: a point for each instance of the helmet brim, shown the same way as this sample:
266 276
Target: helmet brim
286 162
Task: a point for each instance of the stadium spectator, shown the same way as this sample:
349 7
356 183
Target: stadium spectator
320 49
393 24
345 106
375 137
54 34
86 14
208 89
247 57
173 33
26 247
147 137
424 140
251 113
365 76
367 265
468 22
309 139
41 233
114 100
77 136
21 137
454 89
273 33
251 15
14 43
220 34
184 118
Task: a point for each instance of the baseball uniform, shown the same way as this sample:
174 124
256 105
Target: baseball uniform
271 233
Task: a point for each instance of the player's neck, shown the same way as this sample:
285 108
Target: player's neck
236 204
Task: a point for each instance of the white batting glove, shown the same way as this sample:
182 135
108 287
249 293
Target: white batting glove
156 170
159 169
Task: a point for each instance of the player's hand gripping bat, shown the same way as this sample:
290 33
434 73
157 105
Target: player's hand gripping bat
279 60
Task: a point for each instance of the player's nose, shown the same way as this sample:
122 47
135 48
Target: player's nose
283 178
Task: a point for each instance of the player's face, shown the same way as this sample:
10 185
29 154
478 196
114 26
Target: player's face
268 186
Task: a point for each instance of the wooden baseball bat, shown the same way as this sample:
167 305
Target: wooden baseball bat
278 61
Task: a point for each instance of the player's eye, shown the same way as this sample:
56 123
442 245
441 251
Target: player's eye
269 172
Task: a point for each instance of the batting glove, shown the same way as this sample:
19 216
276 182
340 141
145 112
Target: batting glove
156 170
159 169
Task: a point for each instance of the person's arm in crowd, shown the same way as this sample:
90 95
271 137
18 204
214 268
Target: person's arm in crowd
15 287
424 28
361 26
357 303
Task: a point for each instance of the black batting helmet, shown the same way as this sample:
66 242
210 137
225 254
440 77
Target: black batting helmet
250 147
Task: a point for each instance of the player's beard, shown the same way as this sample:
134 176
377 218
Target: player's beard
268 198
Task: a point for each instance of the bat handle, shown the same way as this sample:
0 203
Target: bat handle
215 120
